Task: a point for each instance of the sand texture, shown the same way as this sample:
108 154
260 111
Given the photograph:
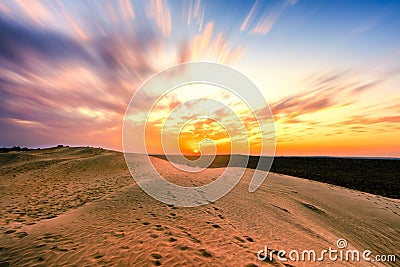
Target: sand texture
81 207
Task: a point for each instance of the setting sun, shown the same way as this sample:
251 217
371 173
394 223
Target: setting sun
202 117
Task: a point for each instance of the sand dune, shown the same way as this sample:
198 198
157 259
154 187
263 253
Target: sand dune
80 207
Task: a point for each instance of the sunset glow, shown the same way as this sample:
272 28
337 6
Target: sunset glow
207 125
330 72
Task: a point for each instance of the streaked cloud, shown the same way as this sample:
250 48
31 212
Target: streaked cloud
249 17
36 11
82 80
159 11
209 45
127 9
260 22
323 93
21 44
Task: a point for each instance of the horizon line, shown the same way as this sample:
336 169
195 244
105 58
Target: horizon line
23 148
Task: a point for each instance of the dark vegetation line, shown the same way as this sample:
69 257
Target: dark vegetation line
14 148
18 148
376 176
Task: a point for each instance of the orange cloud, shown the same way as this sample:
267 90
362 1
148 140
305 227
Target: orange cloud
340 129
191 123
326 92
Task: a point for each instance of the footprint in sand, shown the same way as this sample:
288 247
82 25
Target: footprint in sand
22 234
159 227
183 247
156 256
40 245
205 253
99 254
239 239
169 233
248 238
118 233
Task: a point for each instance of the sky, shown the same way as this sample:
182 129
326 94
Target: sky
329 70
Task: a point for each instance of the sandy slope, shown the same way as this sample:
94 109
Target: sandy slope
79 207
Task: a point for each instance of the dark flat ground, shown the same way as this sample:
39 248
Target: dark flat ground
376 176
